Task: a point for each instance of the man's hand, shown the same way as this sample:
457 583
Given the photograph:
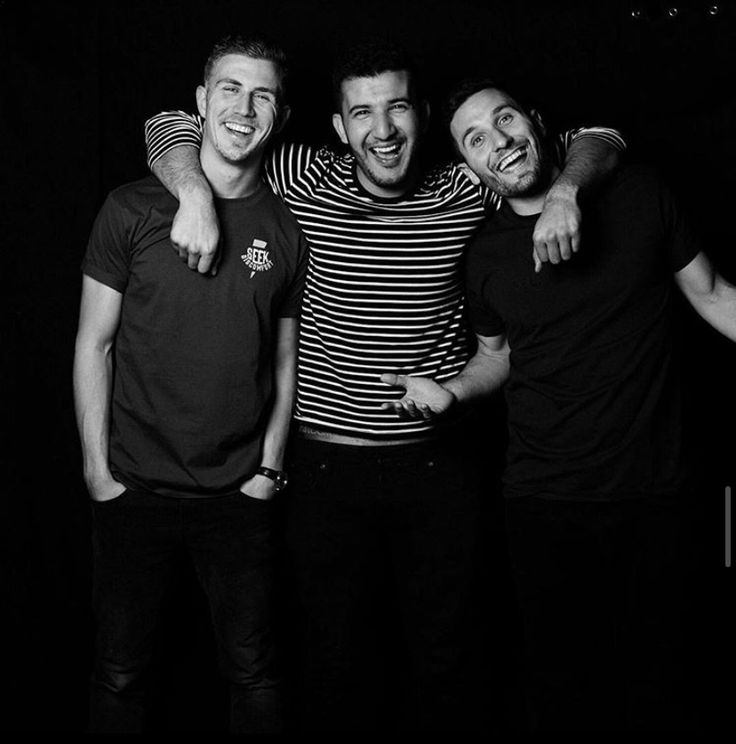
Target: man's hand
259 487
557 232
104 488
424 397
195 234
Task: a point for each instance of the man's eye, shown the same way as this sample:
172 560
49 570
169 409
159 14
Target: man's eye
477 141
400 107
230 89
360 113
264 97
505 119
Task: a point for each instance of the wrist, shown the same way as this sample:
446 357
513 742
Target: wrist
279 478
453 390
562 190
195 192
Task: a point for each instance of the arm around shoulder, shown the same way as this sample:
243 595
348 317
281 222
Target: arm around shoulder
172 140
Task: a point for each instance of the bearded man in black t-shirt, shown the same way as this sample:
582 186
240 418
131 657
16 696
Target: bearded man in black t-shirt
596 470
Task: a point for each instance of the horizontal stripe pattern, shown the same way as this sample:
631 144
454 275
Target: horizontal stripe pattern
384 282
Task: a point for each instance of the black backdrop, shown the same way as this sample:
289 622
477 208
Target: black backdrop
78 83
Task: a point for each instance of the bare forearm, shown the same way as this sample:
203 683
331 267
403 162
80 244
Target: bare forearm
92 390
483 375
181 172
277 428
589 161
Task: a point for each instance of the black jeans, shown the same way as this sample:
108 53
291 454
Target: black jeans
602 590
137 541
382 543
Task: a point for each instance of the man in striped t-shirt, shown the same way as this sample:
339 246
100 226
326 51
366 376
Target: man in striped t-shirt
376 499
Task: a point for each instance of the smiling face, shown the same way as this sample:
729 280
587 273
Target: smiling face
502 145
240 104
381 122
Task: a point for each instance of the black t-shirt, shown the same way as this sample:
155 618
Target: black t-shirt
594 409
193 353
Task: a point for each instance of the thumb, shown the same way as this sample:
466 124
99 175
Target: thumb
391 379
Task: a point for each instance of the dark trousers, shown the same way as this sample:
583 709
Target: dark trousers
382 543
138 540
601 590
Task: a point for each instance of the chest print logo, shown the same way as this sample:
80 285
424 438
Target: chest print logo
257 258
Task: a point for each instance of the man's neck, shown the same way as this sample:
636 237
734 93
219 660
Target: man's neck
231 180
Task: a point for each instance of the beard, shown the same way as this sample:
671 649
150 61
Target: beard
385 177
530 184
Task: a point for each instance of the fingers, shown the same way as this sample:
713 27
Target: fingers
407 408
555 250
537 263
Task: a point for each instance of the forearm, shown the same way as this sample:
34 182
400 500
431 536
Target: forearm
589 161
180 171
277 429
483 375
92 391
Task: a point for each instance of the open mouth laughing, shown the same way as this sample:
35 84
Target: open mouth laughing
387 154
513 160
237 128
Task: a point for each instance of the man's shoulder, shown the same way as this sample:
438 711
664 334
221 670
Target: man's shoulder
139 194
635 192
280 213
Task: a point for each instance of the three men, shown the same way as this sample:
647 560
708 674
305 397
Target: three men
184 392
377 499
596 476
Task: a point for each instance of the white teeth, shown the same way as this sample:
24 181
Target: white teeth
510 159
386 150
241 128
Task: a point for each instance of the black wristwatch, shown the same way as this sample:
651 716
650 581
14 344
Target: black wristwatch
279 477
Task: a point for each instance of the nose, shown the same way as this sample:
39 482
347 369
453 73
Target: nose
500 139
245 105
383 126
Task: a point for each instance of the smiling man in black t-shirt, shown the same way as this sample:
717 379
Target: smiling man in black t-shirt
596 468
183 391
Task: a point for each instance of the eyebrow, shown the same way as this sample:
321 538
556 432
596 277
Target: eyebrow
493 113
400 99
233 81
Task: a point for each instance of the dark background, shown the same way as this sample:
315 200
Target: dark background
78 83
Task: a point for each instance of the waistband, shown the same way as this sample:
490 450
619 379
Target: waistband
322 435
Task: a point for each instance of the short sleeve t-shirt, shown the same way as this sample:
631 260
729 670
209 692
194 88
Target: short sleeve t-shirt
594 409
193 353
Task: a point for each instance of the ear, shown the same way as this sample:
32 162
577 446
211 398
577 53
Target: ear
202 100
536 117
340 128
284 114
464 168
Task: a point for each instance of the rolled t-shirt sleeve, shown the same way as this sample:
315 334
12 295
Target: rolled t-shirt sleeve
292 304
483 318
681 238
170 129
107 258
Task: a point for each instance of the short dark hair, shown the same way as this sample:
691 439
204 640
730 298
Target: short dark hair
369 57
255 46
468 87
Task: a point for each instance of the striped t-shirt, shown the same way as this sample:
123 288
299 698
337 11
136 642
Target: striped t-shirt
384 288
